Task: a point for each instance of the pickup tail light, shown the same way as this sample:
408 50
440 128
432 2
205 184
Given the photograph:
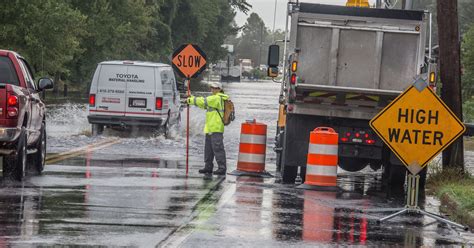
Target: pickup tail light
12 100
12 105
92 100
159 103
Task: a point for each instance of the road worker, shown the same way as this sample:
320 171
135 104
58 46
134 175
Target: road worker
214 128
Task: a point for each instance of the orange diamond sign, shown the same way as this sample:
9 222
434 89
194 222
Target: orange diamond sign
417 125
189 61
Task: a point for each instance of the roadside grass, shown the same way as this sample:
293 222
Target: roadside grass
454 184
469 143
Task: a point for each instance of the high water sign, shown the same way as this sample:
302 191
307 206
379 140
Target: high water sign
417 125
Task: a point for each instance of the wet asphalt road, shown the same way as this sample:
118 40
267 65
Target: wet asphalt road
124 189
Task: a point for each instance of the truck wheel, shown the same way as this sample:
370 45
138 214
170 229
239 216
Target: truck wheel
15 165
396 177
288 174
352 164
40 155
97 129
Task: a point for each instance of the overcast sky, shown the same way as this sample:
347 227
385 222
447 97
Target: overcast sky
265 9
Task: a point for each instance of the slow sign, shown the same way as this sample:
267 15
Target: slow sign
189 61
417 125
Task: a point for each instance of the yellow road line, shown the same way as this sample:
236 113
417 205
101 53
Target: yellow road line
81 150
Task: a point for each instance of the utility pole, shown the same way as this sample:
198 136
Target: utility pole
450 72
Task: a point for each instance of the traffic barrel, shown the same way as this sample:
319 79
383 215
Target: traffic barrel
252 150
321 165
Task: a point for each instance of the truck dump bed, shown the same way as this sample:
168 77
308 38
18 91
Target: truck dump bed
356 50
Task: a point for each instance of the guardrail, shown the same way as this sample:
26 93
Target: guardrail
469 129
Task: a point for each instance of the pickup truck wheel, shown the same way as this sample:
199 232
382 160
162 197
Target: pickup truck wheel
97 129
40 155
15 165
352 164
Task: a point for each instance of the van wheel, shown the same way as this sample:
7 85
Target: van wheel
40 155
15 165
97 129
164 129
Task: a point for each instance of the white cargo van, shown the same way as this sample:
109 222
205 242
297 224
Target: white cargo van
133 93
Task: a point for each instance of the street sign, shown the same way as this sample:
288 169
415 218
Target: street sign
189 61
417 125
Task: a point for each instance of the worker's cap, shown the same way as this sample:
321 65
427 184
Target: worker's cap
216 85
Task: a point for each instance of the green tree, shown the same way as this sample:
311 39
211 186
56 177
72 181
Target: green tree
468 64
44 31
252 42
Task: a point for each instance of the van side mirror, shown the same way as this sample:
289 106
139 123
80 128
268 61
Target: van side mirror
273 55
272 72
45 83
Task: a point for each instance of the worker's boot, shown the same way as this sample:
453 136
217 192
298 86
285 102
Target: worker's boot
206 170
220 171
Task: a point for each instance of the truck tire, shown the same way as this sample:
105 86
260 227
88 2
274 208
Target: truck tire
352 164
40 155
288 174
97 129
15 165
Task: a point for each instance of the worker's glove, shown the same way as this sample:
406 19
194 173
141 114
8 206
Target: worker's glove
184 101
190 100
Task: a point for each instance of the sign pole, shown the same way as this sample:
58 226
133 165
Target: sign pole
187 127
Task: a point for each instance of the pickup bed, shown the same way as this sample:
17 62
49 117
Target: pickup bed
22 116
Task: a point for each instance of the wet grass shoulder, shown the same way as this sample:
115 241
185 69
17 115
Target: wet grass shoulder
455 189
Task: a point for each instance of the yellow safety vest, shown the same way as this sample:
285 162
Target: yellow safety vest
214 104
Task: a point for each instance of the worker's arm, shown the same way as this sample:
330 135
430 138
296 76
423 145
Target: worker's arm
198 101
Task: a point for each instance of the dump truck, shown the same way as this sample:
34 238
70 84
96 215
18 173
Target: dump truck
343 65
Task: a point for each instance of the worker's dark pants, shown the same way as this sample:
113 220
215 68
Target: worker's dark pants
214 147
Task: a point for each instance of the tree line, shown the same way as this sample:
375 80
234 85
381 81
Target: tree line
66 39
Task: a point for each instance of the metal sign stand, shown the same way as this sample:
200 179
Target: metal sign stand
412 204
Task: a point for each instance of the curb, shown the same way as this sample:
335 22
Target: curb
455 211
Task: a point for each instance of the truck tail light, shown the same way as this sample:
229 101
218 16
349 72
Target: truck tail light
92 100
370 141
12 105
293 79
294 66
159 103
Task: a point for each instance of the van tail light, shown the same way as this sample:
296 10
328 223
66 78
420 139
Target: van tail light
159 103
12 105
293 79
92 100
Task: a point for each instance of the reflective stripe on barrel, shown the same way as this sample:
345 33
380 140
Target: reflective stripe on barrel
321 166
252 148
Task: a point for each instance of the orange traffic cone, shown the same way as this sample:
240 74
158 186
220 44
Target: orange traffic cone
321 166
252 150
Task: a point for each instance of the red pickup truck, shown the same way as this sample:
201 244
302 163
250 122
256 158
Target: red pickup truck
22 116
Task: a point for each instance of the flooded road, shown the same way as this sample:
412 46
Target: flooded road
122 189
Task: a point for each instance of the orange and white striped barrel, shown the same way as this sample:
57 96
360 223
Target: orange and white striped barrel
252 149
321 166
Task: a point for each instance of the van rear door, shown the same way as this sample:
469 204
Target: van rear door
111 86
140 91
